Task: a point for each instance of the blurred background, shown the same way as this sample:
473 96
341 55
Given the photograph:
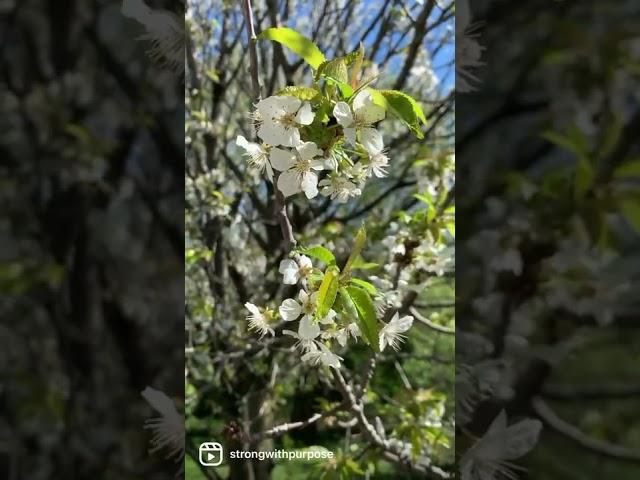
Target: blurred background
548 252
239 386
91 240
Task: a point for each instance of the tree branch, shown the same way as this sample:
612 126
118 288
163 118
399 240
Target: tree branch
390 453
433 326
281 206
570 431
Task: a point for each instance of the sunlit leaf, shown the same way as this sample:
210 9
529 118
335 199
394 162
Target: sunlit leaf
296 42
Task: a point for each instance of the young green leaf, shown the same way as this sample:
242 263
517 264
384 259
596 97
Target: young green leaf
402 106
358 245
296 42
584 177
628 170
369 287
361 264
319 252
328 291
630 210
368 321
335 69
303 93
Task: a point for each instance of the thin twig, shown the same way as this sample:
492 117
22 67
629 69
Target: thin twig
281 206
287 427
433 326
572 432
389 452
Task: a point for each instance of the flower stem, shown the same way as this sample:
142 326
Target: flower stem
281 206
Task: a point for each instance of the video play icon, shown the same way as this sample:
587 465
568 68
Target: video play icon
211 454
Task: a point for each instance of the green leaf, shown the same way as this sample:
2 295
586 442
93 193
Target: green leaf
573 140
335 71
296 42
328 291
627 170
303 93
358 245
368 321
402 106
424 198
630 209
611 137
451 228
361 264
369 287
584 178
319 252
346 307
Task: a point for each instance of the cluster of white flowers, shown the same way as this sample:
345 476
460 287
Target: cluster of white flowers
315 332
492 455
283 126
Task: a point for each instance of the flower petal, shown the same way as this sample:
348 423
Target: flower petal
401 324
252 308
371 140
350 134
305 262
307 329
343 114
290 310
303 296
308 150
310 184
289 183
242 142
282 159
289 268
305 115
287 103
269 108
271 132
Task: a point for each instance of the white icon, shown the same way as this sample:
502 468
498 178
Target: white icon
211 454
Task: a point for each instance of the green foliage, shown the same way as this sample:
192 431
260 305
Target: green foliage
369 287
328 291
319 252
358 245
368 320
296 42
402 106
303 93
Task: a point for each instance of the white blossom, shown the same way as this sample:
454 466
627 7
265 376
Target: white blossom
291 310
258 321
257 155
164 31
391 333
339 188
489 457
357 121
167 430
305 345
281 116
293 270
297 167
342 335
378 163
324 356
